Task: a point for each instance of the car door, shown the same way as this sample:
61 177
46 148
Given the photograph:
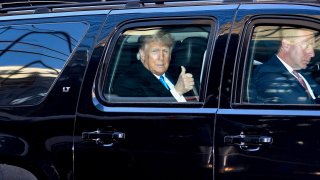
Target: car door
269 139
140 137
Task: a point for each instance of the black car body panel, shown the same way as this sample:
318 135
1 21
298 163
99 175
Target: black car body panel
59 119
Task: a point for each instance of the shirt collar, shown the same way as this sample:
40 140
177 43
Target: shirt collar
289 68
164 75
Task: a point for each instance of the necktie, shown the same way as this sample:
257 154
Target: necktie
301 81
164 83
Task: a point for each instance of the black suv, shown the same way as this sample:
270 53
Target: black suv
62 116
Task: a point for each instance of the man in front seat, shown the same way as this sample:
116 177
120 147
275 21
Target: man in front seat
281 79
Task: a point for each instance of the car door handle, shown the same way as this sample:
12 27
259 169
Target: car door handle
104 138
248 142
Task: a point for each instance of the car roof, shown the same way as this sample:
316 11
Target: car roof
46 6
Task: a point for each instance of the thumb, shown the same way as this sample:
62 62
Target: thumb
183 70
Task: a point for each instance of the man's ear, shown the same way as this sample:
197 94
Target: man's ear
142 55
285 44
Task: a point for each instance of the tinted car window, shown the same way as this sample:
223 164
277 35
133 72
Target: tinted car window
31 58
282 66
129 79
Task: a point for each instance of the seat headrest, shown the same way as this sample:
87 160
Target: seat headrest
190 50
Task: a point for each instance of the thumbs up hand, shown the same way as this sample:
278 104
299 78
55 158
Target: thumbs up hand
185 82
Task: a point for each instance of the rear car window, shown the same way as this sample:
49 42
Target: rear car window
143 54
32 57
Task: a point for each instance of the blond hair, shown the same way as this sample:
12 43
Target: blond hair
292 34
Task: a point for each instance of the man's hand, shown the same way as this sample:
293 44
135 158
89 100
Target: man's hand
185 82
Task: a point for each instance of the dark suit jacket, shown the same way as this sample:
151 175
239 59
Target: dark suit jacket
275 84
140 82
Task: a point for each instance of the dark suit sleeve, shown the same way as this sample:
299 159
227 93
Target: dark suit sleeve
130 84
280 88
271 88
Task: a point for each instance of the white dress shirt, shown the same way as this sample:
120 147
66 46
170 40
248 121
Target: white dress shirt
173 91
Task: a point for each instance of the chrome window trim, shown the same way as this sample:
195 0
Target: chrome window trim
53 15
171 110
269 112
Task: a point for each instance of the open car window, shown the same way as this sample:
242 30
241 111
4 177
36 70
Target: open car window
129 79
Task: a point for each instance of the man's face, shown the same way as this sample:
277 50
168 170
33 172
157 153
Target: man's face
155 56
302 50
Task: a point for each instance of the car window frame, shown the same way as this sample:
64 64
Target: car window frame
153 22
